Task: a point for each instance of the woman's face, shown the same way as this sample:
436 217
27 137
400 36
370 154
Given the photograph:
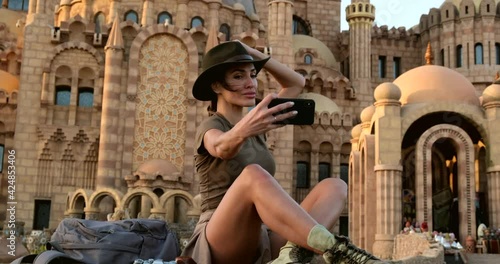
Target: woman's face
240 86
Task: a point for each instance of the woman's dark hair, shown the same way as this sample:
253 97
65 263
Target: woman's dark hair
219 76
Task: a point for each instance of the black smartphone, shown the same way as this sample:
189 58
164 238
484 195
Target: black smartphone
305 110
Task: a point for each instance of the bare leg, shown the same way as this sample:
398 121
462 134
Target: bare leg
255 197
324 203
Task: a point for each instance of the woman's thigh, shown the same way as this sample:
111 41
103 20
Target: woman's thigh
233 231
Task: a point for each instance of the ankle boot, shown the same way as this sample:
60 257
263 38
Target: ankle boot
344 252
338 249
293 254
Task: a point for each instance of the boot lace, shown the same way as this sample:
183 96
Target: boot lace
345 252
300 255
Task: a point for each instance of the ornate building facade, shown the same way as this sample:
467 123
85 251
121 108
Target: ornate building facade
95 98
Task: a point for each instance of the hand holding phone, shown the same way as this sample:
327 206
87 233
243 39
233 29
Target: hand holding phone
305 111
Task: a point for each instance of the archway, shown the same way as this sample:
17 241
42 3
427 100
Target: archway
105 200
454 141
140 201
177 203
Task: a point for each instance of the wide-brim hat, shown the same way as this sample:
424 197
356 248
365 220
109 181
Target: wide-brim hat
217 59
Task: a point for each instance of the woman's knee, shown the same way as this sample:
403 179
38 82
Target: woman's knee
254 174
336 186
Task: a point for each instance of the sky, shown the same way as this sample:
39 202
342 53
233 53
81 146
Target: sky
397 13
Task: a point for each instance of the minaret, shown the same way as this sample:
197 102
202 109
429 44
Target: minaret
360 14
280 19
108 138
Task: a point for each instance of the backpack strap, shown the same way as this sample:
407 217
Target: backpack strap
25 259
48 256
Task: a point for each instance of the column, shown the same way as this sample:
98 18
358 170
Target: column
91 213
388 182
40 6
147 13
114 6
238 21
494 195
73 99
214 6
182 19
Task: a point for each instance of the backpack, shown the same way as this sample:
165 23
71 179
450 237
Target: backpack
93 242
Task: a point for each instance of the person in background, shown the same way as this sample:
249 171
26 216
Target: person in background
246 215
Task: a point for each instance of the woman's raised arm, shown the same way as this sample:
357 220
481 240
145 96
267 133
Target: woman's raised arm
291 81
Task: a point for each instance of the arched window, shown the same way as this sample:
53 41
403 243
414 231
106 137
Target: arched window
224 28
99 21
63 95
344 172
459 56
196 22
497 53
302 174
478 54
132 16
299 26
382 62
308 59
396 67
466 10
324 171
2 149
442 57
165 16
85 97
18 4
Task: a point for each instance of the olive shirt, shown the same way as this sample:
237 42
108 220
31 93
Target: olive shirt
215 174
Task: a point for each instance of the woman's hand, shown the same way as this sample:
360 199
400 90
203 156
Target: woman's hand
256 54
262 119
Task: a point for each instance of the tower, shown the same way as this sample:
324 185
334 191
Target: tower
280 44
360 14
108 139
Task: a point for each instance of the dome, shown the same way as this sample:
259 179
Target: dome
491 93
322 103
246 5
308 42
9 82
367 114
387 91
254 17
431 83
157 167
356 131
239 6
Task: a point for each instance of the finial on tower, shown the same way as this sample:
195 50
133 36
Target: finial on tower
115 39
428 54
497 78
212 39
